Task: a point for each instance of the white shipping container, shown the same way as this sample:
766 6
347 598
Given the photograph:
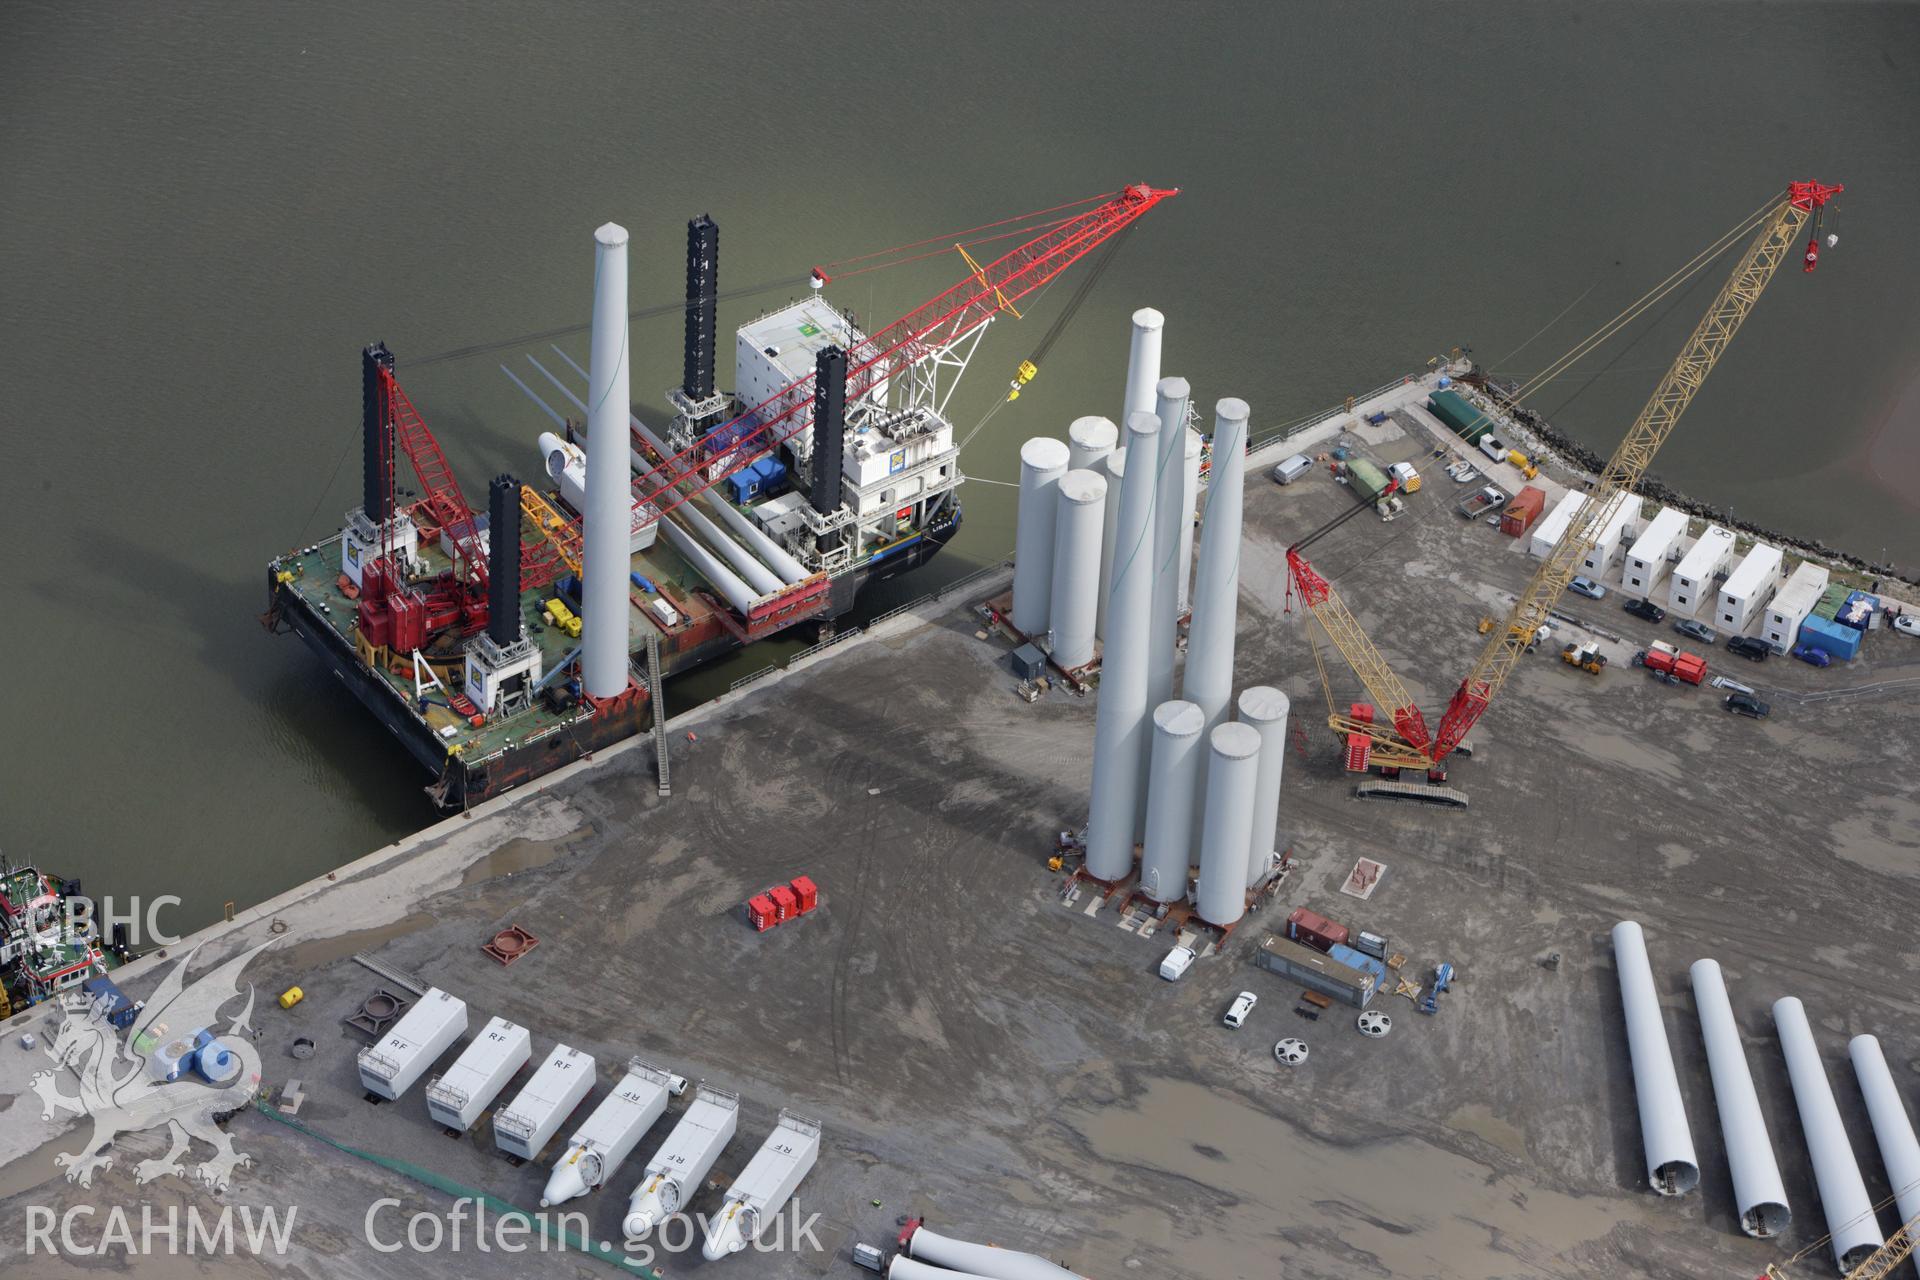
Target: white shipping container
1553 526
1693 576
679 1166
537 1111
388 1069
1649 558
610 1134
1613 530
764 1186
477 1076
1792 605
1749 588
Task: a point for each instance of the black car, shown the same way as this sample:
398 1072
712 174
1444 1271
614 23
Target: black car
1748 647
1646 609
1745 704
1696 631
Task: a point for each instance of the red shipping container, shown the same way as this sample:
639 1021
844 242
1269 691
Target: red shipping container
761 913
1522 511
1315 930
807 892
785 904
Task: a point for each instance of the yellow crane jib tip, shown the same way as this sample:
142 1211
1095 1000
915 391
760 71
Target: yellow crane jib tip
1021 377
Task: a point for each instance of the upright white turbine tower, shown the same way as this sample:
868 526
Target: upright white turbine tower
607 525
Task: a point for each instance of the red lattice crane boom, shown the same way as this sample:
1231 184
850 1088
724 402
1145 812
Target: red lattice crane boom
540 559
921 333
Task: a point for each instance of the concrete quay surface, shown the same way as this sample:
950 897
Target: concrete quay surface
1010 1066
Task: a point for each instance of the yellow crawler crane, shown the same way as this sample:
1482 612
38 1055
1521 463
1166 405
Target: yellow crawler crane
1401 738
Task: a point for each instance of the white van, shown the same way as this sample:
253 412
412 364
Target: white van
1293 468
1178 961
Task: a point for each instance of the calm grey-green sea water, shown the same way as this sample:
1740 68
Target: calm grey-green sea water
207 209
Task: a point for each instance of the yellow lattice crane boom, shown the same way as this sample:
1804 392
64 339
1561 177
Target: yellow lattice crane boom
1403 739
1879 1264
555 528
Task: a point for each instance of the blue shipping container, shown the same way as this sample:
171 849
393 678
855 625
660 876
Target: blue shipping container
745 484
1359 960
1843 642
1857 612
773 472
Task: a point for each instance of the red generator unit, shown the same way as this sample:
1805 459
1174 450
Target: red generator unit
1315 930
1690 667
806 893
761 913
785 904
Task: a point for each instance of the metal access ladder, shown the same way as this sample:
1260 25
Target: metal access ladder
658 689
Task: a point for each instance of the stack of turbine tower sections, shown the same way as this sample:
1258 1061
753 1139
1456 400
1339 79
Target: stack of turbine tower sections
1233 772
1171 398
1117 810
607 529
1113 468
1043 460
1189 497
1143 361
1143 373
1672 1167
1173 783
1852 1229
1758 1192
1892 1127
1081 503
1208 683
1265 708
1090 442
1210 633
